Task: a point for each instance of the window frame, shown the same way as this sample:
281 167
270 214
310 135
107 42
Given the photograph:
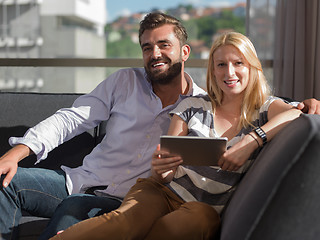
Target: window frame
96 62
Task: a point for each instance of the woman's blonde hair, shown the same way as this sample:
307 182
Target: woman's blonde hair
257 90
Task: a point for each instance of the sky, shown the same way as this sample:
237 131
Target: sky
116 8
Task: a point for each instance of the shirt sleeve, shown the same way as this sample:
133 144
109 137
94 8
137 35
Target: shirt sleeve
86 113
266 105
263 111
183 109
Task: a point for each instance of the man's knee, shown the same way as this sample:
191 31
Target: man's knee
15 185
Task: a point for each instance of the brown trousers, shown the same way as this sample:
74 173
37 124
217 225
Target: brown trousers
149 211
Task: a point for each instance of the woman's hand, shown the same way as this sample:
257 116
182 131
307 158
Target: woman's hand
164 165
237 155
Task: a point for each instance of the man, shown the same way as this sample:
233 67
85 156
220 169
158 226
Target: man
135 103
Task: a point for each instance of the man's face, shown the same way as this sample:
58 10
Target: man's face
162 54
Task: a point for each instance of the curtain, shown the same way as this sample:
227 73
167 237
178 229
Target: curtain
297 49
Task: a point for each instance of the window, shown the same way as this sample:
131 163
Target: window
261 31
48 48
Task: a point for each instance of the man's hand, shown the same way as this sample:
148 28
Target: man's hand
9 168
9 162
310 106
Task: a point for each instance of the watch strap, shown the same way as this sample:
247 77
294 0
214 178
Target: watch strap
261 134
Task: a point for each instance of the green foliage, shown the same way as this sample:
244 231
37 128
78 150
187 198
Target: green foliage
203 28
229 20
123 48
192 29
206 27
187 7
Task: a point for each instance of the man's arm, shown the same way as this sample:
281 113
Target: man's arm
9 162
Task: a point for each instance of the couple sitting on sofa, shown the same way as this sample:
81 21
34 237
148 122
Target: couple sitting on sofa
238 106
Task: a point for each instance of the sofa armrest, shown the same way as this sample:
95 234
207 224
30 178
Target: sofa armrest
279 196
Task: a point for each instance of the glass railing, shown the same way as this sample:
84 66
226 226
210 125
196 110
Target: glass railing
79 75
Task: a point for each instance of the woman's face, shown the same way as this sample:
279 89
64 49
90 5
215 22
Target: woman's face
231 71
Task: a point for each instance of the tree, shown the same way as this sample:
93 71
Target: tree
206 27
123 48
202 28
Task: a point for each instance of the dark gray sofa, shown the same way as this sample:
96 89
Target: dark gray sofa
19 111
279 197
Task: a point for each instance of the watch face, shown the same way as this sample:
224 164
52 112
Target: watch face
261 134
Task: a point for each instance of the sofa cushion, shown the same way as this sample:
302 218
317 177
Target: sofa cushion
279 196
31 227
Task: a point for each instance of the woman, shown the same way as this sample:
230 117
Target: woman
184 202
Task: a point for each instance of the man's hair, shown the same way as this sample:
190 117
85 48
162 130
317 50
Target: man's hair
157 19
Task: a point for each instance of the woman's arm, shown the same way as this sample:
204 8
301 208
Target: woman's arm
164 164
279 115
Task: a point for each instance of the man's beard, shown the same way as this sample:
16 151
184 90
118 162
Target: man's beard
164 77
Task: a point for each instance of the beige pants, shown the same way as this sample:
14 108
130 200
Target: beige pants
150 211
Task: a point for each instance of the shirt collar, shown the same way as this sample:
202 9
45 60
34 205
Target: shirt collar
190 84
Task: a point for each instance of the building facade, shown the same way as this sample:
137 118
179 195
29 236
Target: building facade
52 29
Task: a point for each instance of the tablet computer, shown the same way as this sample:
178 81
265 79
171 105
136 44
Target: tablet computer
196 151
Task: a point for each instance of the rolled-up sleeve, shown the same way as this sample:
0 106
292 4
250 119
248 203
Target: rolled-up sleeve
86 113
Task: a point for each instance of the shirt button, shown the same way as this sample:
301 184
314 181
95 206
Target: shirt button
139 155
148 136
128 171
113 185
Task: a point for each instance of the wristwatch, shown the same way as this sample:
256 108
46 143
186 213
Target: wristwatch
261 134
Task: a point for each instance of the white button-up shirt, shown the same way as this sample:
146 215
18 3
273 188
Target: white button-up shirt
135 120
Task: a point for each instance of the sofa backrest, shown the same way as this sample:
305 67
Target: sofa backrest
279 196
19 111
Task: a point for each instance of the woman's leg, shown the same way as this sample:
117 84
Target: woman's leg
192 221
146 202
